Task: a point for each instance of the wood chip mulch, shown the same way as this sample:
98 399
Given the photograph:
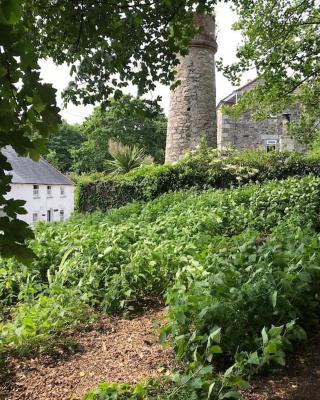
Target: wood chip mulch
115 350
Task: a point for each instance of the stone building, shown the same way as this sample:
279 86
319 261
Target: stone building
192 111
243 133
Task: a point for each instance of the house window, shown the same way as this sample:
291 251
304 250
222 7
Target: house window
34 218
271 145
35 190
49 190
61 215
62 191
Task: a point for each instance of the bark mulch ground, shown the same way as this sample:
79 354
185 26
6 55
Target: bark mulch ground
116 350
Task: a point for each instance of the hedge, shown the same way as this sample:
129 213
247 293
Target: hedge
199 171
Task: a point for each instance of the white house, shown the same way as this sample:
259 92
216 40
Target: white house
49 195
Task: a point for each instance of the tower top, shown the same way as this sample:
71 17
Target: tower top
207 37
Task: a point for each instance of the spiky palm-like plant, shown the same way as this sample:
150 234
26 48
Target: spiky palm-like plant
125 158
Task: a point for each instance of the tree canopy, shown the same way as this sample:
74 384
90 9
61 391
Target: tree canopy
111 43
282 42
129 120
61 145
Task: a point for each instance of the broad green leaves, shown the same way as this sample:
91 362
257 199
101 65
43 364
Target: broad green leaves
238 269
27 114
10 11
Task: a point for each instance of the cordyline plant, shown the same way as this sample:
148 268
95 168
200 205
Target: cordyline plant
125 158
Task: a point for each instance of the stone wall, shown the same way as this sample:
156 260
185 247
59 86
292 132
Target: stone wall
246 133
192 112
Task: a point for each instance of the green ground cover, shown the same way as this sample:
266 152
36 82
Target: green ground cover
239 270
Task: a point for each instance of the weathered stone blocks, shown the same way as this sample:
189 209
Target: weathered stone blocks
192 112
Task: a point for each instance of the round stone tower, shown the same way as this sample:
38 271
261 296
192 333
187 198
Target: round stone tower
192 112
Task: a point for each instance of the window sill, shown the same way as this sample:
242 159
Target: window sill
36 197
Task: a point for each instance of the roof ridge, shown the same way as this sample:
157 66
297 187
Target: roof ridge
237 90
56 170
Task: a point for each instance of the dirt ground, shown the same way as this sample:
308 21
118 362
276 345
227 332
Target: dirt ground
127 350
116 350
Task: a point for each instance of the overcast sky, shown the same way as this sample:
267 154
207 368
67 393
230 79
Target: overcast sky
228 41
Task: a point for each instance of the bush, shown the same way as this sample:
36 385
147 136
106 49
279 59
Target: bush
200 171
249 284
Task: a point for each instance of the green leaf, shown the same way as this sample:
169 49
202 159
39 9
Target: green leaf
211 387
274 298
12 11
215 336
231 395
254 359
3 71
215 349
265 338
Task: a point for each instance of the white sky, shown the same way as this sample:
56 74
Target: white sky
228 41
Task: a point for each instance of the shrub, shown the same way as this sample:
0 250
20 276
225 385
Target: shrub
250 283
125 158
199 171
34 324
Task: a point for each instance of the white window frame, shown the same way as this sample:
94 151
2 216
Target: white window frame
49 190
61 215
272 142
62 191
36 191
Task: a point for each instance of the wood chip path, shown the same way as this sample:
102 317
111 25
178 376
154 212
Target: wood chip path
117 350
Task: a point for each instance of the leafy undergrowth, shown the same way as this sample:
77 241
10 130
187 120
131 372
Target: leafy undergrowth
239 270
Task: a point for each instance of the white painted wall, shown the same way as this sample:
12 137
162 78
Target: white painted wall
43 202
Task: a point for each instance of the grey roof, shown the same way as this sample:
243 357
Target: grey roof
231 98
25 170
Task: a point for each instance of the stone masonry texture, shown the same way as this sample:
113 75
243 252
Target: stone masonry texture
246 133
192 112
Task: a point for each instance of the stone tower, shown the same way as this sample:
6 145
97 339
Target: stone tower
192 112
